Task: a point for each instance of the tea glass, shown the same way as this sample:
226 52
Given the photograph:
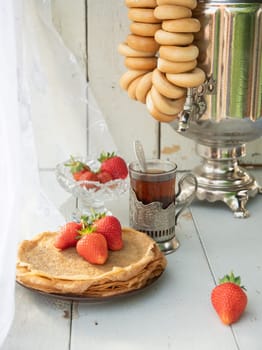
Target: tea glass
154 198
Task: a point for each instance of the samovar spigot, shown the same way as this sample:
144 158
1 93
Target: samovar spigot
187 113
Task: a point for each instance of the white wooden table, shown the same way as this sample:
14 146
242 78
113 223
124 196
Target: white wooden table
173 313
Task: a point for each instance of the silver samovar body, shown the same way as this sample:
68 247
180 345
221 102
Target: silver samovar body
225 113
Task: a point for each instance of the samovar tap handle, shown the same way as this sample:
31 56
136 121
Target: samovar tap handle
187 112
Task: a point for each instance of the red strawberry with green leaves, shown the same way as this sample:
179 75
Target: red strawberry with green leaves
77 168
114 165
104 176
88 176
93 248
110 227
68 235
229 299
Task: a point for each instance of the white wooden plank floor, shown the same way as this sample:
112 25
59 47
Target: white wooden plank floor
175 312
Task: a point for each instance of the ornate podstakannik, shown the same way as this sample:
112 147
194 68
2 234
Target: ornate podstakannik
155 221
152 219
160 223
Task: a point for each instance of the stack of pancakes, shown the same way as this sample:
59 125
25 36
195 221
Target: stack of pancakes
42 267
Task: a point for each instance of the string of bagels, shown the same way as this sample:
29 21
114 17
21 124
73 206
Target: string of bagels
160 56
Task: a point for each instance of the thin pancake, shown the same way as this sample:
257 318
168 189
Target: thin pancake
41 266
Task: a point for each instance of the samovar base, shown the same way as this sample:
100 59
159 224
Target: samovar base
220 178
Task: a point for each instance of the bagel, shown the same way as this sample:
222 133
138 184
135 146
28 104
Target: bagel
160 55
187 3
143 86
166 88
182 25
144 29
189 79
156 114
141 63
141 3
166 66
144 15
141 43
167 38
127 51
131 91
179 53
129 76
172 12
166 105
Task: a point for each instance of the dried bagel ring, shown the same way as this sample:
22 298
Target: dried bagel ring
131 91
172 12
189 79
144 15
163 37
141 43
127 51
144 29
166 66
187 3
182 25
130 75
141 3
179 53
141 63
166 105
143 86
166 88
156 114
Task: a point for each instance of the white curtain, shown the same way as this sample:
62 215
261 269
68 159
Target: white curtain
29 72
10 155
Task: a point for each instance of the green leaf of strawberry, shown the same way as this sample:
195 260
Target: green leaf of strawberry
114 165
229 299
77 168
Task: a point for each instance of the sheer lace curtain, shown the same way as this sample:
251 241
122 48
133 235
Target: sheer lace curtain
10 174
25 208
35 65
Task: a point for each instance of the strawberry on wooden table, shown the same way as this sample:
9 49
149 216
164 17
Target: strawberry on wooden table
93 248
114 165
229 299
77 168
110 227
68 235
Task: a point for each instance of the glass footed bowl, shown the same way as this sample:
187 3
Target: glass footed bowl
91 195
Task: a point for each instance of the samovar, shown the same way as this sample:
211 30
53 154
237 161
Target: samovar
225 112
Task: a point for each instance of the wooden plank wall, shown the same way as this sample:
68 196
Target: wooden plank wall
96 50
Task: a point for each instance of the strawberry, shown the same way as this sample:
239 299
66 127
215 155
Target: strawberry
77 168
67 236
93 248
104 177
110 227
88 176
229 299
114 165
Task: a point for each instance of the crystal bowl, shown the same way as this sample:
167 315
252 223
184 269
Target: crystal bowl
92 194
